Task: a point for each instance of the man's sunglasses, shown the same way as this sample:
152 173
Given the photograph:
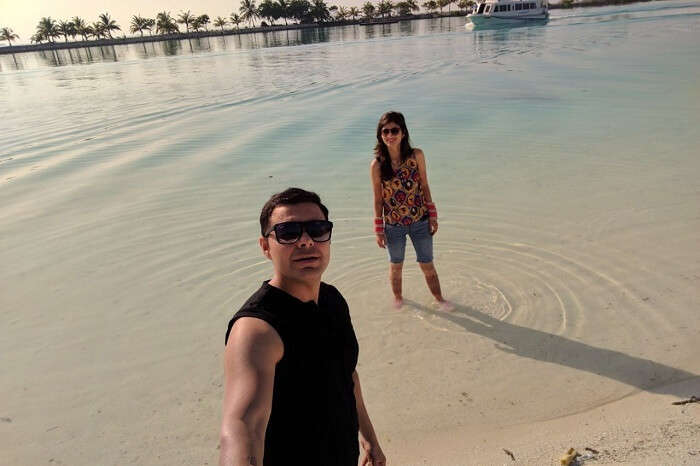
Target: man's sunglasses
290 232
394 131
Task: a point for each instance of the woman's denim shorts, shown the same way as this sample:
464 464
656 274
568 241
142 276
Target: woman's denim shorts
420 237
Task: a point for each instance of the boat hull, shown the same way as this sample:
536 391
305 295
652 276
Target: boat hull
506 21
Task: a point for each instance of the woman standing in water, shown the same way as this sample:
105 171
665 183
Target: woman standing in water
403 204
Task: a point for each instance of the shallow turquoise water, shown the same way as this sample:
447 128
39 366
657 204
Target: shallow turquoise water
563 159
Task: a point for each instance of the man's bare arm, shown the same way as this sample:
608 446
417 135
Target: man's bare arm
252 351
373 453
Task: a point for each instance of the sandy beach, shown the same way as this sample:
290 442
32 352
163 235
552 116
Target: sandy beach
563 163
641 429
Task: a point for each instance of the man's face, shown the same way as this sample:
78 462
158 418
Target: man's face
305 260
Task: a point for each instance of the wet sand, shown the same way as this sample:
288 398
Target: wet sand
568 240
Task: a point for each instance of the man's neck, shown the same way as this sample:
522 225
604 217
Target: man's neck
303 291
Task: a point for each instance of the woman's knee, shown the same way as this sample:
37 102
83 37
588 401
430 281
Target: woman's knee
395 266
428 269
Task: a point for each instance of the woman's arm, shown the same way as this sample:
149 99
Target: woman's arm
376 178
423 172
427 197
373 453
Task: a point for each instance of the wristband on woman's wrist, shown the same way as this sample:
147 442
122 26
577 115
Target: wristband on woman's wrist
379 225
432 211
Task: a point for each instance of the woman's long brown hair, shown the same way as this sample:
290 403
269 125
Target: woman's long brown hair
381 152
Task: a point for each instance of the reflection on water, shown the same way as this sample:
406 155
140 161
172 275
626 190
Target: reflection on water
65 57
284 38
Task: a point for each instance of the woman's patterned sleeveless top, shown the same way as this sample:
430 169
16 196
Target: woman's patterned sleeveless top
403 195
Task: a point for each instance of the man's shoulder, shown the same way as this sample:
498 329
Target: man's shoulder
256 300
257 305
334 298
331 291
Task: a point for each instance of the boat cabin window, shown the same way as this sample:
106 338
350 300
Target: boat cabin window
508 7
526 6
488 8
533 6
481 9
518 6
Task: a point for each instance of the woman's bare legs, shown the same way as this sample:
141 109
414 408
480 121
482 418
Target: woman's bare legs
431 278
395 271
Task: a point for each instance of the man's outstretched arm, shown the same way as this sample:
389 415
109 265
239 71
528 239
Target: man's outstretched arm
373 453
252 351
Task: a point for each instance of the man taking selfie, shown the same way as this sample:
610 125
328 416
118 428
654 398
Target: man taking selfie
291 391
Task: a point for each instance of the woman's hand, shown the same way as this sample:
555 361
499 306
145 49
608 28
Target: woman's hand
381 240
372 455
433 226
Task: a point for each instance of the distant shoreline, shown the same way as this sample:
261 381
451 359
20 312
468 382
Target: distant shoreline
5 50
210 33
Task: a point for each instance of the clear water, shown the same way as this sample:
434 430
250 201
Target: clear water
563 159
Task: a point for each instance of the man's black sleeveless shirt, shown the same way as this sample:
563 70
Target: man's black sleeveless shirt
314 418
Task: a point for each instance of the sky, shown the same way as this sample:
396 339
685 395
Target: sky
22 16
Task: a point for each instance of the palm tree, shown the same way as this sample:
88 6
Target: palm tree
37 38
87 31
430 5
283 7
108 24
267 9
186 18
220 22
65 29
203 20
138 23
385 7
8 35
354 12
300 10
98 30
320 11
149 24
47 28
235 19
412 5
165 24
80 25
342 13
249 11
465 4
368 9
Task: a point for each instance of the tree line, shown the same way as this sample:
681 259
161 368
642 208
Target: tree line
268 12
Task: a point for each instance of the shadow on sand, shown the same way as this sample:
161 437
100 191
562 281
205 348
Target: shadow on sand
641 373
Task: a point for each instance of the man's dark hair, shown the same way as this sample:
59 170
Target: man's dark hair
289 196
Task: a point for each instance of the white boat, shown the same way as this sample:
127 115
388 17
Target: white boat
508 12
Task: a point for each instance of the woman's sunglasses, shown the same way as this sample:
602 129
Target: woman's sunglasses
290 232
394 131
